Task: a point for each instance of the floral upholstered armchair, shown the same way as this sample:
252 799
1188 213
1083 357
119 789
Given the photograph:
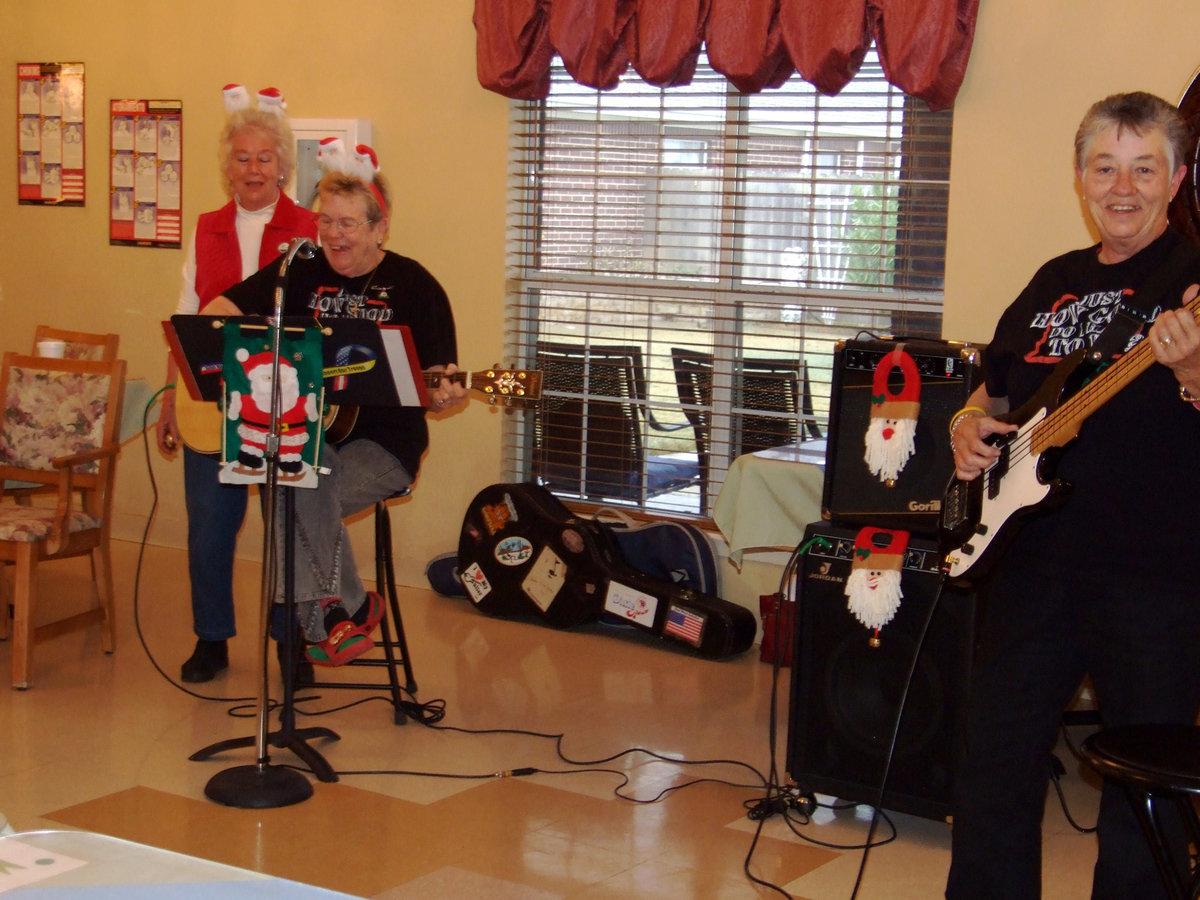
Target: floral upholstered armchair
59 431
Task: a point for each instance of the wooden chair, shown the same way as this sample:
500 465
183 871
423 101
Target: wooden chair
59 429
80 344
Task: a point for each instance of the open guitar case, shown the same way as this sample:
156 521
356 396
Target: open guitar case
522 554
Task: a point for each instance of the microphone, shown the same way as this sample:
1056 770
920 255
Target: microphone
305 248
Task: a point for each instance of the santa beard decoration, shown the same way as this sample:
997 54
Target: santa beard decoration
891 433
873 587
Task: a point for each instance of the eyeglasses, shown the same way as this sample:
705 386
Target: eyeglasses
346 226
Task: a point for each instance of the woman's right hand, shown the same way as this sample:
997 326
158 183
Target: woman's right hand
166 431
972 452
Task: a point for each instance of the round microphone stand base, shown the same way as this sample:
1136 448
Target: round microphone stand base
260 786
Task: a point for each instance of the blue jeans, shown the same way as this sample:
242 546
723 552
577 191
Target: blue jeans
361 473
215 513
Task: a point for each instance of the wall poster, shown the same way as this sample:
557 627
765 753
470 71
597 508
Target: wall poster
50 133
145 173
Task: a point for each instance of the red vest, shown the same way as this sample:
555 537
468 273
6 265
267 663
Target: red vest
218 256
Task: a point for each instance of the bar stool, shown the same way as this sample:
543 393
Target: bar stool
391 638
1155 763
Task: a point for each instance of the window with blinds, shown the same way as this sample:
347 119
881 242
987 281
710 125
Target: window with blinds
682 263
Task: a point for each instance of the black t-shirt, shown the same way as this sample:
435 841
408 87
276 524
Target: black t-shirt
400 291
1134 467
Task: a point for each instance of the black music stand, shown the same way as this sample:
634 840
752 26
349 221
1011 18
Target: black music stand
356 364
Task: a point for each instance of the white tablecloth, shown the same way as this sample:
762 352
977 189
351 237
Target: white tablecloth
769 497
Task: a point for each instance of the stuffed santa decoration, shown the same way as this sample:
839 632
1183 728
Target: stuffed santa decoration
873 587
253 413
891 434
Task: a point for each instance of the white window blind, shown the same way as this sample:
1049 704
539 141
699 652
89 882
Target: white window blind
682 262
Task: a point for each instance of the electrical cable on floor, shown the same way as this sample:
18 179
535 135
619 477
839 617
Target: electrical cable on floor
777 799
1057 770
137 577
787 800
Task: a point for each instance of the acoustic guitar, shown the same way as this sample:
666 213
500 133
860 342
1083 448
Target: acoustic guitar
200 421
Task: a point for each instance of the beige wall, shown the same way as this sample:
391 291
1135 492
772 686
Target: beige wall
1034 70
409 67
405 65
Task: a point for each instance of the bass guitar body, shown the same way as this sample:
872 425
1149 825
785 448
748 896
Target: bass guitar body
979 517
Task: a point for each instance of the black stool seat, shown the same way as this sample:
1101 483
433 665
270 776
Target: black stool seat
1153 763
391 639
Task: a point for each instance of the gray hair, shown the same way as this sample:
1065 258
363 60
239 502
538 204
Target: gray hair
1139 112
277 130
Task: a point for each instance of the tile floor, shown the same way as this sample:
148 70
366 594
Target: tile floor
102 743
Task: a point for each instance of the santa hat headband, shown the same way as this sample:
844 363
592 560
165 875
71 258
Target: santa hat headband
361 165
902 404
237 98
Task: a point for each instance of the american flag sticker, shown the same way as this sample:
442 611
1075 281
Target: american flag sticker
685 624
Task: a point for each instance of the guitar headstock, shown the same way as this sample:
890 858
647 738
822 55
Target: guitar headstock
509 387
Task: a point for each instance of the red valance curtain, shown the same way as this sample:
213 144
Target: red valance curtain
756 44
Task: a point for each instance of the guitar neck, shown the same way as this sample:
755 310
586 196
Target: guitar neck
1063 424
433 379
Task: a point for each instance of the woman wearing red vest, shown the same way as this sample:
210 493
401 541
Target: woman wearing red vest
257 156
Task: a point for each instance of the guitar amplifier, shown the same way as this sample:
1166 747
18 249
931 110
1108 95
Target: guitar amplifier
847 688
888 460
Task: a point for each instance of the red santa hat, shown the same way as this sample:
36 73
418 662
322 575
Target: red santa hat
252 362
873 588
270 99
236 97
904 403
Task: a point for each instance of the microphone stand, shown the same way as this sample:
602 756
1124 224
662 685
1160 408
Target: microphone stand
263 785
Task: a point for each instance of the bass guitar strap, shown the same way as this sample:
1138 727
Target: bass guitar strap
1134 312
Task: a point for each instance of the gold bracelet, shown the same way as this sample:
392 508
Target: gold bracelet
964 413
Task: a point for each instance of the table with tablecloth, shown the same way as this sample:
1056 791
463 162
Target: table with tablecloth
768 498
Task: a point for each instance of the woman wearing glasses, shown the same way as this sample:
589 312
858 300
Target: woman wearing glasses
257 160
352 276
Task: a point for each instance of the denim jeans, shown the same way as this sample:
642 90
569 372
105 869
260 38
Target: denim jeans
215 512
361 473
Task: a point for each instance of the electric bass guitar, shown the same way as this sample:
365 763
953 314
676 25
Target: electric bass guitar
979 516
200 422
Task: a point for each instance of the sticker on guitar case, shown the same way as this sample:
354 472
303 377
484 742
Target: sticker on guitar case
630 604
476 582
684 624
497 515
545 579
513 551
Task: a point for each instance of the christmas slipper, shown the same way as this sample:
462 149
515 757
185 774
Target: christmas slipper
370 614
346 641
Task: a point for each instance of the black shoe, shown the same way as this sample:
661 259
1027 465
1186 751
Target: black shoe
209 658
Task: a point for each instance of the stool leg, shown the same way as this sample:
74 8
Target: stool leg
385 580
1144 804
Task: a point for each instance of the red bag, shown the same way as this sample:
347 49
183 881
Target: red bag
778 621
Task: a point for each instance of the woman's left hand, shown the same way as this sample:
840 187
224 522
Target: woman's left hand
448 393
1175 339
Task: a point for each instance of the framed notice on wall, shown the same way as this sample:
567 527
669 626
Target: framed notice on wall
145 173
50 133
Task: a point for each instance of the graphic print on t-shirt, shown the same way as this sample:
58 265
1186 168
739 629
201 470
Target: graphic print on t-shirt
1075 323
350 304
